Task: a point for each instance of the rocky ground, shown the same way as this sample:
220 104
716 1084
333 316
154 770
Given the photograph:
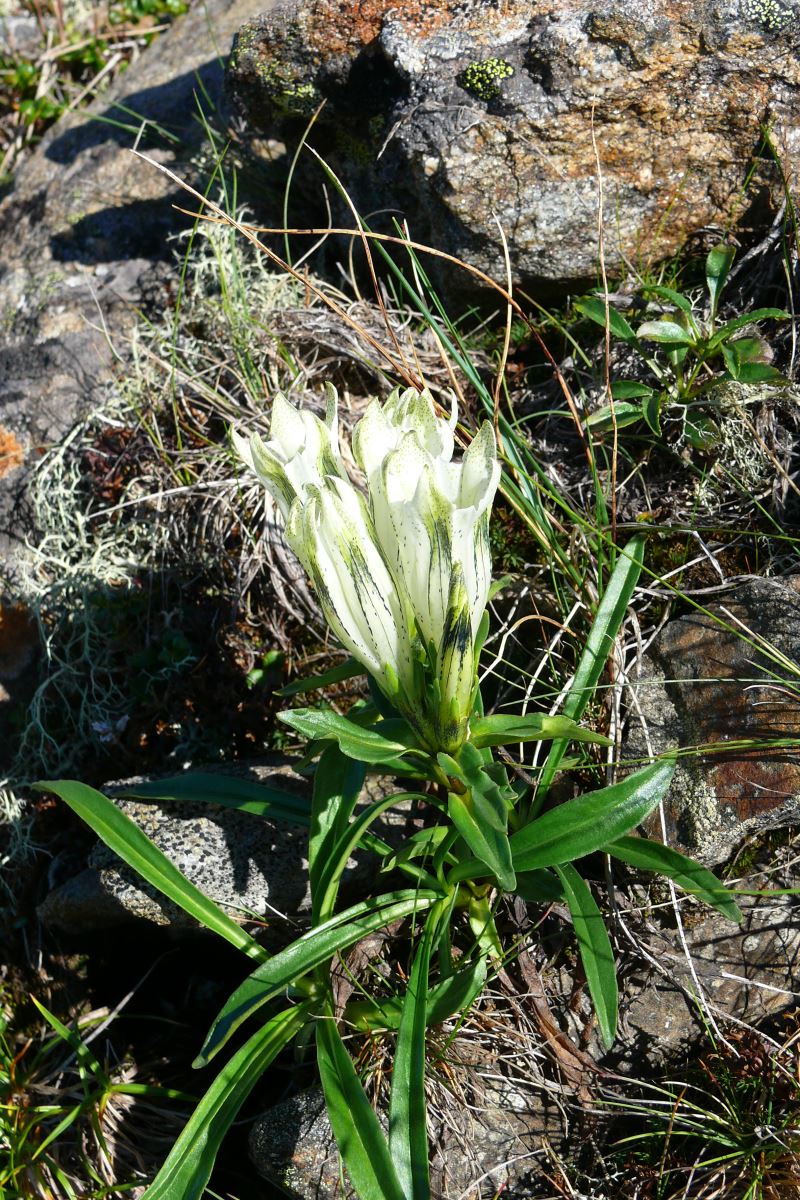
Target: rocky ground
147 615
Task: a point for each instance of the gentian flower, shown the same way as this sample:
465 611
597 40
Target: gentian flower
402 577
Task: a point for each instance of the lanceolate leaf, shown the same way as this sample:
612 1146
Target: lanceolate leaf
363 744
718 264
346 670
339 854
605 627
408 1124
576 827
594 307
188 1167
758 314
361 1140
480 812
499 730
309 951
595 949
133 846
579 826
668 332
621 415
688 874
230 791
337 785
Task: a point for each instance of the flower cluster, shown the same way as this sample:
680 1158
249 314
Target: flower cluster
402 575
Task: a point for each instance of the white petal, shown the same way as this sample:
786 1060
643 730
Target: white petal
259 458
373 438
480 470
286 430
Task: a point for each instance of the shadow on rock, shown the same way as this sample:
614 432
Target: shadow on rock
139 229
171 112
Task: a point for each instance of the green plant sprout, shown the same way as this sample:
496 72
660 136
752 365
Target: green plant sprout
403 577
693 353
483 79
61 1111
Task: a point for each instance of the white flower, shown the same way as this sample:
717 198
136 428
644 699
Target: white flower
302 450
403 579
431 515
332 534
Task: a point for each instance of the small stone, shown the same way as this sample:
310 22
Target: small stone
717 678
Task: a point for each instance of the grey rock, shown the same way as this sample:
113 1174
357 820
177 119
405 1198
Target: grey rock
250 866
247 865
491 1130
464 113
715 679
83 243
748 973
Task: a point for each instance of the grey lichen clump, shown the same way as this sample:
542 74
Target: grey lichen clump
482 79
771 15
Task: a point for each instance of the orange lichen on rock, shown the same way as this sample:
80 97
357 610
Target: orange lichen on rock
343 25
12 454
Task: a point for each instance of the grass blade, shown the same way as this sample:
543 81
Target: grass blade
358 1134
125 838
189 1163
605 627
595 949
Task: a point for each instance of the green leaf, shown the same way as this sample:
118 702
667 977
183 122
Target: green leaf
87 1062
346 670
576 827
752 372
408 1120
701 432
629 389
339 854
718 264
449 996
688 874
579 826
358 1134
758 314
539 887
188 1167
677 298
622 415
500 730
594 308
480 813
747 349
665 331
309 951
651 411
595 950
364 744
126 839
605 627
229 791
338 781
